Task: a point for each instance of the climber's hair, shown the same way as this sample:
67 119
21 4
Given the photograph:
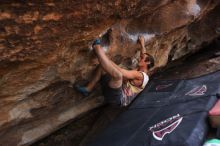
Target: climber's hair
150 59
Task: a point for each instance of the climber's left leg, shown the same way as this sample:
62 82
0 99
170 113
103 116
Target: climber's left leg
85 90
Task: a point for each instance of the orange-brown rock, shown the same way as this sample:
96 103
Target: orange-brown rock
44 49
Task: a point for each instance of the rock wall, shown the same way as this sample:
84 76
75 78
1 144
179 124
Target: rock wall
45 48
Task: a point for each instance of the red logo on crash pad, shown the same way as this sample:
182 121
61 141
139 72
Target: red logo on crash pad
197 91
167 126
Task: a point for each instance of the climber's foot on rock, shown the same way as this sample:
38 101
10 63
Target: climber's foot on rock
83 90
96 45
96 42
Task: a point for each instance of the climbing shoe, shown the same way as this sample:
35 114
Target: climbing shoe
82 90
96 42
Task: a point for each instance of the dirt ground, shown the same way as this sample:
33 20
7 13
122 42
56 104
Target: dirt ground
84 129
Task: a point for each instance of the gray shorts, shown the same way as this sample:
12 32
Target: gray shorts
112 95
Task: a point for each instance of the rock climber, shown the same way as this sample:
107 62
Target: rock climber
119 86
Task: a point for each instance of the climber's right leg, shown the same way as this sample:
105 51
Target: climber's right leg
108 67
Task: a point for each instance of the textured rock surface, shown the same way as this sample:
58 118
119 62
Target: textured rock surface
44 49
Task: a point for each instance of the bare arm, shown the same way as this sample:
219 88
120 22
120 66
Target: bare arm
134 74
142 42
129 74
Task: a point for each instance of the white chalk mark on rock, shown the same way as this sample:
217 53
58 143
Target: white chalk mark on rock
134 37
194 10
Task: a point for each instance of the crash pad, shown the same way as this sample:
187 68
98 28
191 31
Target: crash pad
166 113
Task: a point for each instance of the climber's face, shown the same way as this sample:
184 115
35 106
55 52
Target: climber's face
144 61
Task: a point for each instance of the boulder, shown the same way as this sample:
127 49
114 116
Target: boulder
45 48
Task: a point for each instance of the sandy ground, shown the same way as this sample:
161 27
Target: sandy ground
84 129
